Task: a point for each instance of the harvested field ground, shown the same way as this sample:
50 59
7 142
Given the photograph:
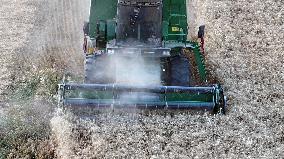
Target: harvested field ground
244 46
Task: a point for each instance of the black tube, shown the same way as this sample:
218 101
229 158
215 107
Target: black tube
140 104
130 88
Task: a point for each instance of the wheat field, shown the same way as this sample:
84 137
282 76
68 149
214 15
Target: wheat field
244 49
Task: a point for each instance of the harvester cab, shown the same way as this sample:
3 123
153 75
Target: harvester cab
138 56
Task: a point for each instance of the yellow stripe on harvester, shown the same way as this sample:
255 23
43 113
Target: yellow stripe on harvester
175 29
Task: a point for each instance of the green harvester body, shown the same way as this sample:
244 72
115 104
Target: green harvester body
111 24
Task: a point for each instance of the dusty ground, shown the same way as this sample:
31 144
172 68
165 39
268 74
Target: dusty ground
245 45
15 25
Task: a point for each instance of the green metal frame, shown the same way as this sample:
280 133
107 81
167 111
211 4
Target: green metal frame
175 27
101 10
200 62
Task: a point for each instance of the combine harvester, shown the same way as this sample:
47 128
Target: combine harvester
150 34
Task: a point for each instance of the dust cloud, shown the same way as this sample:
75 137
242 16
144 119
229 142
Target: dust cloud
137 70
